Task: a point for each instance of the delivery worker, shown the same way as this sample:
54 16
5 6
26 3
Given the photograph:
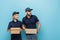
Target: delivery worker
17 24
29 22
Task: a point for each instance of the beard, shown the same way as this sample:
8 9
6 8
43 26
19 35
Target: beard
28 14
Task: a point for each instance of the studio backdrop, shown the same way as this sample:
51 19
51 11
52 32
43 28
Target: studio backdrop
47 11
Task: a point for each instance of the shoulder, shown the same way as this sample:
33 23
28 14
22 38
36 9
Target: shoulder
10 22
34 16
19 21
24 18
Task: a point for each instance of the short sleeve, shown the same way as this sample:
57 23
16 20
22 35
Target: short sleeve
20 24
36 19
23 21
9 25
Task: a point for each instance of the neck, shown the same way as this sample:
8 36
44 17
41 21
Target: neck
14 20
28 16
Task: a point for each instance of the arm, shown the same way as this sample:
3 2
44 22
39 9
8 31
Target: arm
38 23
38 26
9 25
23 24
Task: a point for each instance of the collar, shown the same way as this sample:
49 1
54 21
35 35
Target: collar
30 16
13 20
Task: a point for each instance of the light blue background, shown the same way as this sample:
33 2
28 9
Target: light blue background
48 12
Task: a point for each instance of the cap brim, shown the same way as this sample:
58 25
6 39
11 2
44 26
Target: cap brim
29 10
15 13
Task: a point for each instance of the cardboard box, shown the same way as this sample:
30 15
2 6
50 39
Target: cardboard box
31 31
15 30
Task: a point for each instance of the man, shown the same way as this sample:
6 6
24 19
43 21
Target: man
29 22
17 24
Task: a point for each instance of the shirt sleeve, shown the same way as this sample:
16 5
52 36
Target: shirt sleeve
20 24
36 19
23 22
9 25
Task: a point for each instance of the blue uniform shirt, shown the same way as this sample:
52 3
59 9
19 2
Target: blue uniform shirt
15 24
30 22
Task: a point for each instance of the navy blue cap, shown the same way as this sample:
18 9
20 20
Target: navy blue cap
28 9
15 13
